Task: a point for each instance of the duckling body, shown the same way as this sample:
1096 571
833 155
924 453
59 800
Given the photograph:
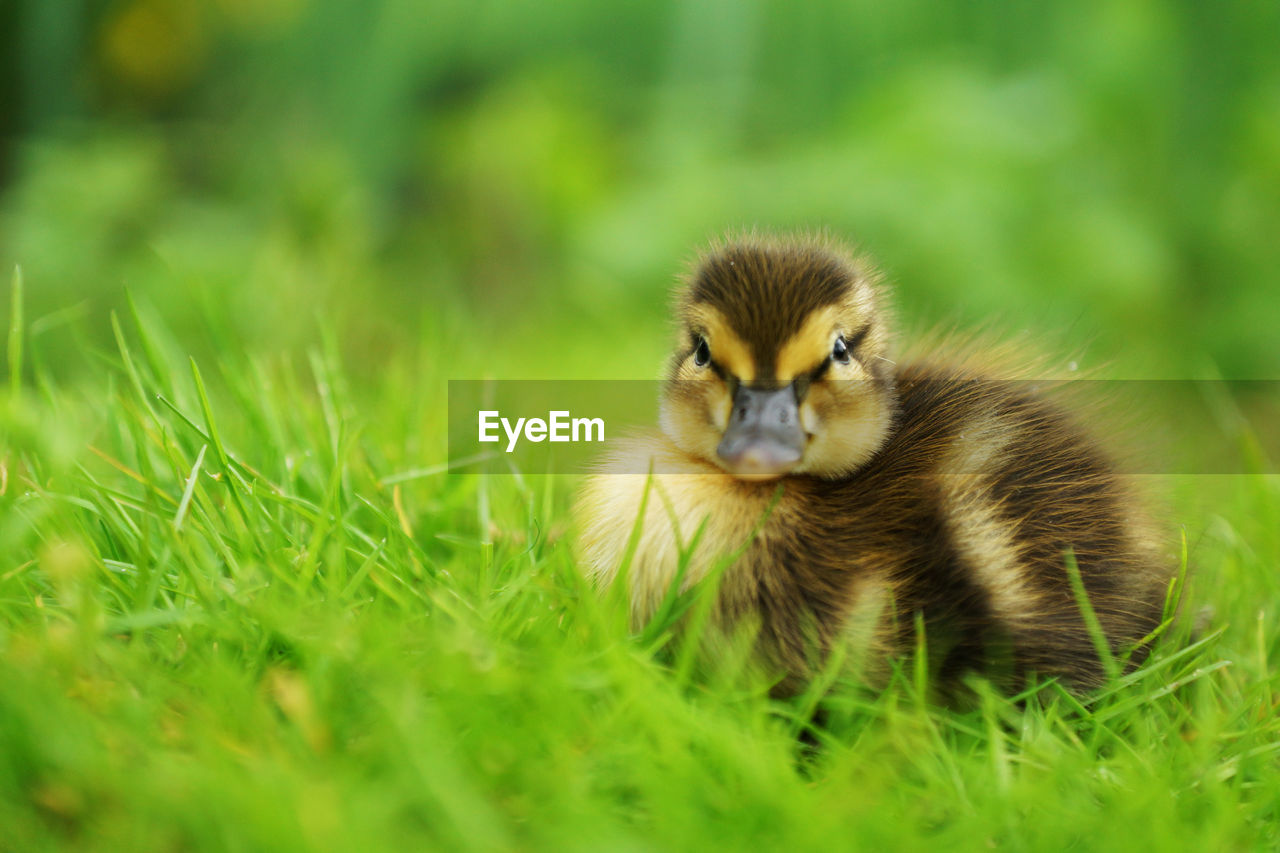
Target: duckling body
883 494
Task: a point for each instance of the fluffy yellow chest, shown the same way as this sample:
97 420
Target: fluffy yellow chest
683 496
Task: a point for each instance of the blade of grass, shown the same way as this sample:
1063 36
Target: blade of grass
15 336
1091 623
187 490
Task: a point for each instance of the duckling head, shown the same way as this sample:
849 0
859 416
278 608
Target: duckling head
780 365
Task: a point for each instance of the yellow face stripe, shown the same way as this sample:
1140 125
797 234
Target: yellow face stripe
727 348
807 348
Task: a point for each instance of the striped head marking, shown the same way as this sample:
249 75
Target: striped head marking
780 364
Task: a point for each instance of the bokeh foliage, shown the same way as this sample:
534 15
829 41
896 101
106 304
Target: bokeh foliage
1107 171
243 606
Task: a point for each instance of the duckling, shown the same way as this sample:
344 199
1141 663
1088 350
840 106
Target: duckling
856 499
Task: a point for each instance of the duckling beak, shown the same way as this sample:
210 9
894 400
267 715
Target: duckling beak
764 438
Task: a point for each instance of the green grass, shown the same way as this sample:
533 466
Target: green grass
243 605
240 609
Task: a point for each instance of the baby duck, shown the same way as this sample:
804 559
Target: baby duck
856 497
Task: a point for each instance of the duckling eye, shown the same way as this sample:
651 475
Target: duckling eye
701 353
840 352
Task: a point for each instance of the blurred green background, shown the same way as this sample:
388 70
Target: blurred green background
516 184
297 631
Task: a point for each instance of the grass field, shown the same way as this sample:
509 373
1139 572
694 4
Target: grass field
237 613
244 604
